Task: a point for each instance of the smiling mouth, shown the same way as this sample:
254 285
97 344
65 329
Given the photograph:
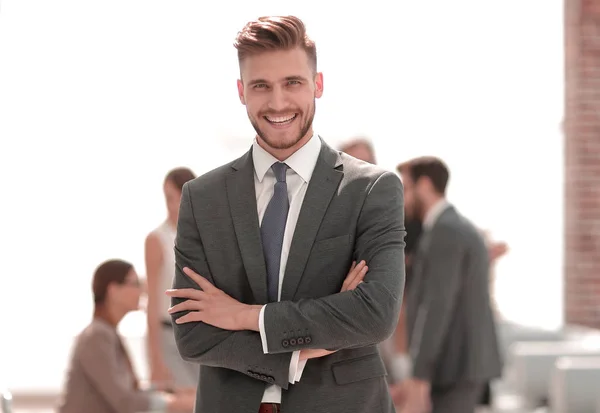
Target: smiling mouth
281 120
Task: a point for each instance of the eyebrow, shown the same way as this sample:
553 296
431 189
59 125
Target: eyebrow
287 79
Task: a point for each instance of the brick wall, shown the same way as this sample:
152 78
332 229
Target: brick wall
582 157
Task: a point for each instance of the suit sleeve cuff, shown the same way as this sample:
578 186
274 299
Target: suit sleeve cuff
301 365
401 367
294 366
261 327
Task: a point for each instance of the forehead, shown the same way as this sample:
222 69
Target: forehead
359 148
276 65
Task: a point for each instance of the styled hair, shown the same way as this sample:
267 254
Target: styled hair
430 167
107 273
273 33
356 142
179 176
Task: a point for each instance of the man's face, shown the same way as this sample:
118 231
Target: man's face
279 89
413 205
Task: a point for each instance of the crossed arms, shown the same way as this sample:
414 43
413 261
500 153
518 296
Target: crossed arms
225 334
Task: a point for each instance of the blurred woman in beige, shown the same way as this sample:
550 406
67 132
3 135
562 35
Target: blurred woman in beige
167 368
101 377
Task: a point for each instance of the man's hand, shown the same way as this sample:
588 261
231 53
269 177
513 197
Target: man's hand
353 279
398 392
212 306
416 395
355 276
497 250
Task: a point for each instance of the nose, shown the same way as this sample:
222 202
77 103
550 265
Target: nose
278 99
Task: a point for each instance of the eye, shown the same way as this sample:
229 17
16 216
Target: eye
260 86
293 82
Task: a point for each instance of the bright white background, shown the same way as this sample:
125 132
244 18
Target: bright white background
99 99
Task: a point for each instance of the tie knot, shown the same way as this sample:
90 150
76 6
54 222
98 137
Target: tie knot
279 169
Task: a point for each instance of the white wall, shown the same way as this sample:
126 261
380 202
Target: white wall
98 99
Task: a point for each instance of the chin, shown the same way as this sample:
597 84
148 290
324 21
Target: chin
280 140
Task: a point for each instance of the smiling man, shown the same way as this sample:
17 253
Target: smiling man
262 296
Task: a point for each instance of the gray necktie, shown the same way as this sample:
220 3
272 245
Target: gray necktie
272 229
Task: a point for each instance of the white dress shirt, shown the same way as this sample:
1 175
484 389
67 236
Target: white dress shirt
301 166
434 213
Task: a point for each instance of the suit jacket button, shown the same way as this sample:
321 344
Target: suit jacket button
292 341
300 341
285 343
307 339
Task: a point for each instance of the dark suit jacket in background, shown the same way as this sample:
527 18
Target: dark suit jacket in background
352 211
451 328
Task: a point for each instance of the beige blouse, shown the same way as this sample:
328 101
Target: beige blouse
99 378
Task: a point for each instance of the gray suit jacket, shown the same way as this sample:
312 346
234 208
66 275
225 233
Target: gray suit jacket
351 210
451 329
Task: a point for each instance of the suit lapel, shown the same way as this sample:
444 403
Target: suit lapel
323 185
242 204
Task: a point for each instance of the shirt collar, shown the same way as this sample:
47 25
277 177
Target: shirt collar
434 213
302 161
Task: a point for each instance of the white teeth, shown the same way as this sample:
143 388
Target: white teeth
280 119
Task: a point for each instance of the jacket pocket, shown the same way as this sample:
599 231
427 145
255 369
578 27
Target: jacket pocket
362 368
331 243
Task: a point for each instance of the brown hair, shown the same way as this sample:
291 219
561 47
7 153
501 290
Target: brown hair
429 167
111 271
179 176
274 33
360 142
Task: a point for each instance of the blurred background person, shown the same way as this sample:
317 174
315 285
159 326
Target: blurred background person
395 350
167 368
453 343
101 377
360 148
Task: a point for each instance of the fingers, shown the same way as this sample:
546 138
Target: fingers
198 279
358 279
192 316
313 353
187 305
354 271
186 293
355 276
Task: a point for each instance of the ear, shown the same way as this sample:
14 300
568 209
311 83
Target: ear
425 184
240 86
318 85
110 289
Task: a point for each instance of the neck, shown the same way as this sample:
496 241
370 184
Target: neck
111 315
282 154
430 203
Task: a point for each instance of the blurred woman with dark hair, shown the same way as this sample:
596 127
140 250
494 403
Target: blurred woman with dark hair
101 377
167 368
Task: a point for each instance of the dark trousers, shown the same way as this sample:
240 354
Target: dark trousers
458 398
